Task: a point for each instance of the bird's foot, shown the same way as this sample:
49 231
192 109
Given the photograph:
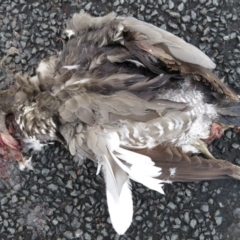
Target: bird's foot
202 147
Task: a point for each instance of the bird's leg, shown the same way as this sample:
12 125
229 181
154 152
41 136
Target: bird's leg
201 146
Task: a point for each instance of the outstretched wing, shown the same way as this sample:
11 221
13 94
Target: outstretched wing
156 49
178 166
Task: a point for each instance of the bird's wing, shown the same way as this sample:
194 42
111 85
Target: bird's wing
178 166
158 50
176 46
173 51
92 107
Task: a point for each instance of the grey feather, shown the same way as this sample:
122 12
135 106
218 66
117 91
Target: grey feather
177 46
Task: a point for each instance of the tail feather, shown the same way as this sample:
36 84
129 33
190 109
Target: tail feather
120 165
119 195
229 113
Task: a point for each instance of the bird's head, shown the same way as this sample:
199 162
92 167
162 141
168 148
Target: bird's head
10 141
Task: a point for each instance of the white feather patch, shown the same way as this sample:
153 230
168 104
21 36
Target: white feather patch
121 211
172 172
70 33
119 164
70 67
131 157
144 177
26 163
33 144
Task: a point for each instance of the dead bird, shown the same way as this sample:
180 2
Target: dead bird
134 98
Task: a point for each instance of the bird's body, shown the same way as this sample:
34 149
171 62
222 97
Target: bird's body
124 93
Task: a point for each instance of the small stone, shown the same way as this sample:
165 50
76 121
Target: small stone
87 236
193 15
229 134
53 15
205 208
177 221
68 235
60 166
237 161
174 237
164 27
204 11
180 7
68 209
45 172
154 13
173 25
39 41
186 217
170 4
74 193
4 200
35 4
223 20
233 35
235 145
52 187
193 223
188 192
218 220
235 17
210 201
79 233
5 223
209 19
238 70
215 3
44 26
226 38
193 28
14 199
11 230
175 14
69 184
88 6
54 221
186 18
171 205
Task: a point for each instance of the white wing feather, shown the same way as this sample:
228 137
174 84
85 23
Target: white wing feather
145 178
119 164
119 195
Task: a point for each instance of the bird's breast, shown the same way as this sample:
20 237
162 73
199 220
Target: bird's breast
178 127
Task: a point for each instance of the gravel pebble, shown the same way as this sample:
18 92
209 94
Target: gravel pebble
193 223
